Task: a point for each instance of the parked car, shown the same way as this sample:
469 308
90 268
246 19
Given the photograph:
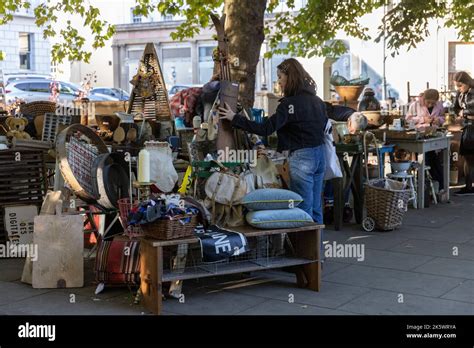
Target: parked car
39 89
11 77
117 93
178 88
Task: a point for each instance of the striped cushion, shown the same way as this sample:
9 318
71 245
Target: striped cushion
118 261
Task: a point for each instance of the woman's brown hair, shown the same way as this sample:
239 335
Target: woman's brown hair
297 77
463 77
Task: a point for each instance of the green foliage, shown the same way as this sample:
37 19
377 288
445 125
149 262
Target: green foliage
406 24
196 13
310 32
72 43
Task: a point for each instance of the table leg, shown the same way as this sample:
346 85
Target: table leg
359 189
421 183
381 160
308 246
446 169
338 202
151 272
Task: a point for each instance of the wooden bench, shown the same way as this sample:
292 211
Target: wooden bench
305 262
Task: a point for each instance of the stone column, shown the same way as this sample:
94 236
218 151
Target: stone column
195 61
116 65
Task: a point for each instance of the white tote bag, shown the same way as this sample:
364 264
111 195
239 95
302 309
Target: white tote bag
162 170
333 166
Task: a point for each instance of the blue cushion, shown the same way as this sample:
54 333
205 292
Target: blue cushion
279 218
270 199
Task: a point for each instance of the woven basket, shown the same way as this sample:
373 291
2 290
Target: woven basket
38 108
124 210
386 206
171 228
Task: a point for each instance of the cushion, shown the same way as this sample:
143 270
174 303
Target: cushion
279 218
270 199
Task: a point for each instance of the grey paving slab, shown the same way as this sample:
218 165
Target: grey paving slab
275 307
455 233
395 280
437 221
331 266
436 248
377 240
59 304
212 302
11 292
11 269
331 295
448 267
387 259
464 292
387 302
89 292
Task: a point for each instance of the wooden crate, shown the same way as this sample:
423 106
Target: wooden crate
22 182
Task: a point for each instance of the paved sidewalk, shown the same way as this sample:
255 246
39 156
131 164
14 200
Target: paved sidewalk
426 267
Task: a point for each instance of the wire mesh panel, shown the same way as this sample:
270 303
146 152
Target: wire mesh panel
185 261
53 122
81 157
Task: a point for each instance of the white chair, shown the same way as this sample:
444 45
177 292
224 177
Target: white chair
408 179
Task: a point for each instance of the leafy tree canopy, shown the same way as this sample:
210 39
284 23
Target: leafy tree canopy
310 31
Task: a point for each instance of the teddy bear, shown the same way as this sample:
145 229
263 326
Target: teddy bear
16 127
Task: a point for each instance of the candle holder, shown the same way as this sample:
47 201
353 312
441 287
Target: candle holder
143 190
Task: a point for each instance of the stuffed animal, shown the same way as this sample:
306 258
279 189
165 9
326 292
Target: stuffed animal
16 127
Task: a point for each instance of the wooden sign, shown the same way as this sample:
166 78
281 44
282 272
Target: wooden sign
60 241
19 223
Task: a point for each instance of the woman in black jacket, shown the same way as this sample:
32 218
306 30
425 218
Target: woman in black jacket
299 121
464 107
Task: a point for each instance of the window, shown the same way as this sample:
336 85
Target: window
136 18
177 66
67 89
276 60
25 51
41 87
23 86
167 17
206 64
461 58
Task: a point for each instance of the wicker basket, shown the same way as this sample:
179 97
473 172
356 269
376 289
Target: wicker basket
38 108
386 200
124 210
386 205
172 228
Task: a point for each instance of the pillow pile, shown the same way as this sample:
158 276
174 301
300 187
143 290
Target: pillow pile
275 208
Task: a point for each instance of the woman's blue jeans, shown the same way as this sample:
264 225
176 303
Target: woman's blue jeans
307 168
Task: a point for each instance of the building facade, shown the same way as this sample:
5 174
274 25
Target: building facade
23 44
432 63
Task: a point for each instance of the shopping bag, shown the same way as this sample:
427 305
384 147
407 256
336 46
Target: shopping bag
333 166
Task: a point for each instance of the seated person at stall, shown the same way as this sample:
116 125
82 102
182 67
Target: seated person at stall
428 111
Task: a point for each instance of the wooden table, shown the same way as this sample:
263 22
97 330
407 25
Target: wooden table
354 176
306 262
421 147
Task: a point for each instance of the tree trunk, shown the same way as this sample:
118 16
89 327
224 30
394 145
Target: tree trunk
244 27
